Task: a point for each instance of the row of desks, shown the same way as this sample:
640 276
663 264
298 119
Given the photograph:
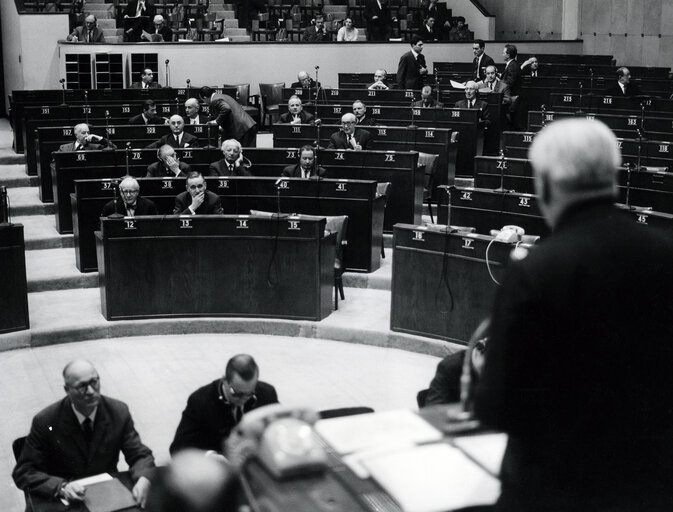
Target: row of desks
356 198
404 202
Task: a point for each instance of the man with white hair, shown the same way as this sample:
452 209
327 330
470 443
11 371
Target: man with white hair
87 33
349 137
193 111
178 138
159 31
129 204
472 102
233 163
304 81
579 367
296 113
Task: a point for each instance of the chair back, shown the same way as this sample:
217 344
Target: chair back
272 94
338 224
383 189
242 93
429 161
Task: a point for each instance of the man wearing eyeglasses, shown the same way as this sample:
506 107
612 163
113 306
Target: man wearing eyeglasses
81 436
129 204
348 137
215 409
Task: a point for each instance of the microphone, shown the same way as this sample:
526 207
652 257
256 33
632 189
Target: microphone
86 105
4 206
62 82
544 113
128 150
189 84
317 68
116 214
107 126
411 104
168 78
177 106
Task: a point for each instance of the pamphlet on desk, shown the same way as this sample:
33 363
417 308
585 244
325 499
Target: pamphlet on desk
104 493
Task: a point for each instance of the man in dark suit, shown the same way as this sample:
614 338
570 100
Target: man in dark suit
86 141
196 200
304 81
143 11
193 112
381 81
88 33
229 115
148 115
361 117
493 84
316 32
427 31
146 81
168 165
128 203
428 99
233 163
530 67
377 16
578 367
411 69
306 168
348 137
178 138
512 73
81 436
481 61
213 410
159 32
472 102
296 113
623 87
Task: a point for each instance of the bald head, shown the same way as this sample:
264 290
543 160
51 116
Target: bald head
348 123
304 78
177 124
82 385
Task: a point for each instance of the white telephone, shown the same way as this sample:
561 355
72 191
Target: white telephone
282 438
508 234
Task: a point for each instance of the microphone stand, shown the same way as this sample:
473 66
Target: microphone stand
437 81
107 127
412 125
641 130
62 82
168 77
628 180
463 419
502 171
116 214
317 88
544 114
86 107
189 88
640 148
580 112
591 81
128 150
177 106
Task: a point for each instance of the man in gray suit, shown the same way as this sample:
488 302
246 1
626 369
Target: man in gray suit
229 115
87 33
493 84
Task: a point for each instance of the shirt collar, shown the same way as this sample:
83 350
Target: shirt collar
81 417
414 53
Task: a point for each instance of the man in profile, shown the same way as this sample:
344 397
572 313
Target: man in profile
361 117
623 87
578 368
168 166
129 204
193 112
381 81
481 61
412 69
229 115
213 410
349 137
178 138
512 73
427 99
233 163
296 113
86 141
472 102
146 81
196 200
79 436
87 33
306 167
148 115
159 33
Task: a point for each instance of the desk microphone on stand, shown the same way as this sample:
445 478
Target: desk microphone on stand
86 107
107 128
177 106
591 81
412 125
168 75
317 90
503 163
4 206
189 87
116 214
629 168
127 151
437 82
579 111
544 115
62 82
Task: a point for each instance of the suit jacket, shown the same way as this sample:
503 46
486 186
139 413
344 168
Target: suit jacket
428 35
561 375
486 61
81 33
230 116
186 141
630 90
338 139
143 207
89 146
201 118
208 419
512 77
445 385
377 29
500 87
484 114
159 170
149 10
165 33
139 85
56 449
432 104
294 171
298 85
139 120
306 117
408 71
212 205
220 168
311 35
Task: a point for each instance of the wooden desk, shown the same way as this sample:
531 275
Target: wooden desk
13 290
152 267
441 287
355 198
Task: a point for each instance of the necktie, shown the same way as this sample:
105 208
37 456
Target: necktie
350 141
87 427
177 139
534 73
77 146
490 85
231 168
238 414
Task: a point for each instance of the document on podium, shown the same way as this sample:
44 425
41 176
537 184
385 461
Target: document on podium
106 494
433 478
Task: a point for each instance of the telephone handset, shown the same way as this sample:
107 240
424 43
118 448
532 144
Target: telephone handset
508 234
281 437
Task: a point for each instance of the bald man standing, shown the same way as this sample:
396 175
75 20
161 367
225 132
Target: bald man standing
79 436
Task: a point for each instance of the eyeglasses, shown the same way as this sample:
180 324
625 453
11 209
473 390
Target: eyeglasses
129 192
238 394
84 386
